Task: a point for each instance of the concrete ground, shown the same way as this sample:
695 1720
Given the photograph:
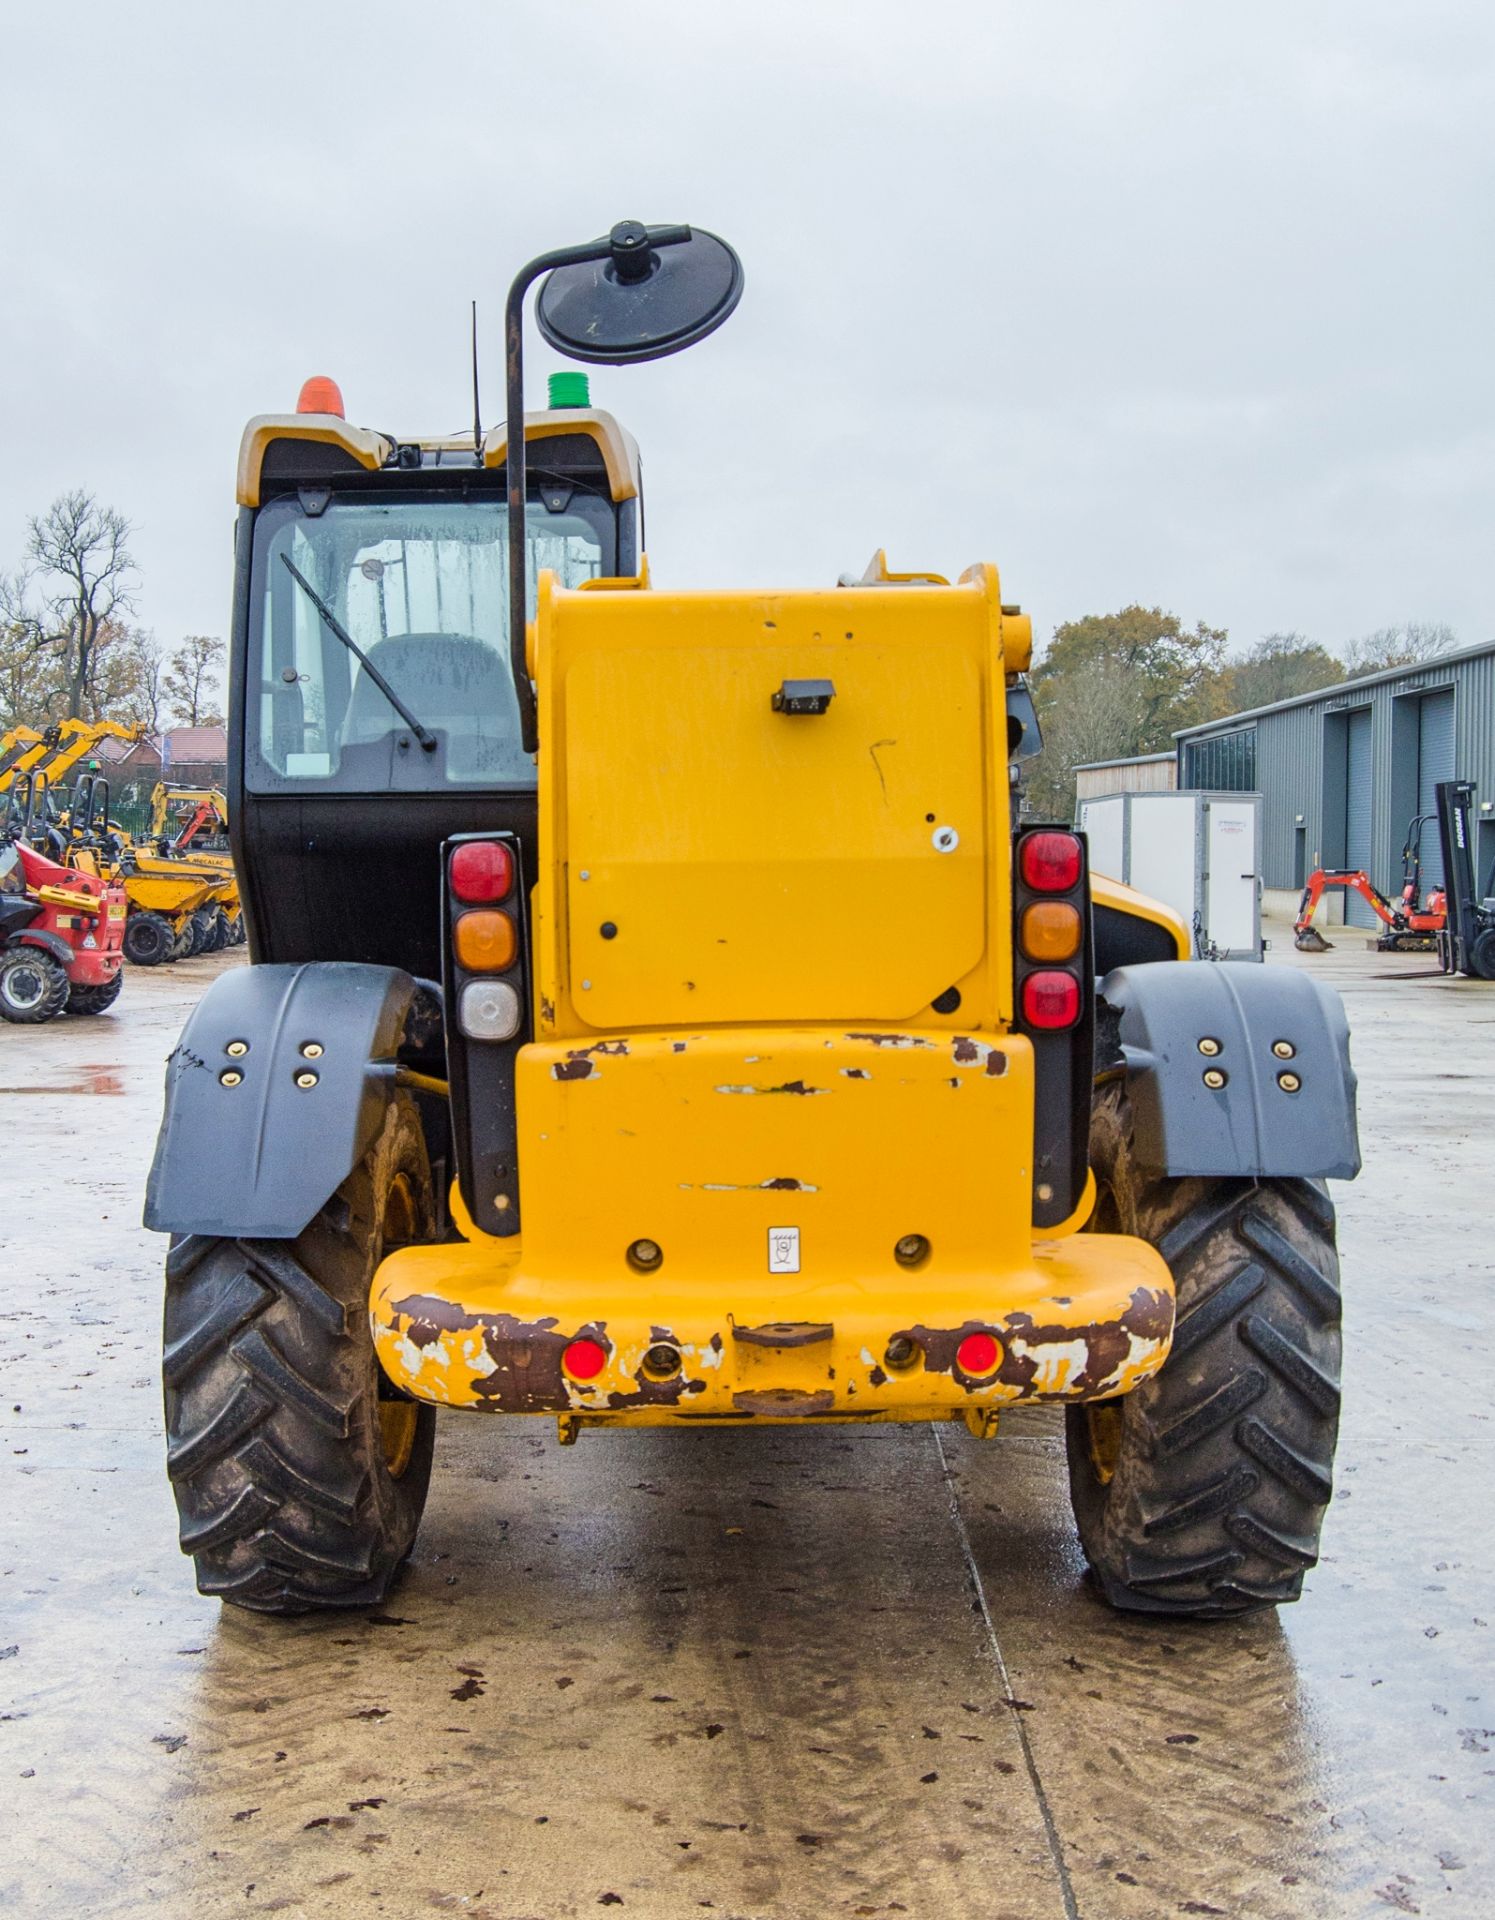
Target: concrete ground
770 1676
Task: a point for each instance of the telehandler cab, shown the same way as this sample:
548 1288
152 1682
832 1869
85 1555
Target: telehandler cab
657 1016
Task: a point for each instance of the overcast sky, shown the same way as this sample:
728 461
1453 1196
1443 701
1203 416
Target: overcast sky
1182 303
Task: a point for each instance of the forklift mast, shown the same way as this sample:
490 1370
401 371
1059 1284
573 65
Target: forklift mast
1466 920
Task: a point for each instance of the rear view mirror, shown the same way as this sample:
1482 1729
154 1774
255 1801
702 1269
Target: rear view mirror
653 292
1024 736
638 294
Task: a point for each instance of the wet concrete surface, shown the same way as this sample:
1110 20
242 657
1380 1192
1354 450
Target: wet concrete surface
759 1676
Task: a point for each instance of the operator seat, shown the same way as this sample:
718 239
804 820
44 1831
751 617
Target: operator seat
453 684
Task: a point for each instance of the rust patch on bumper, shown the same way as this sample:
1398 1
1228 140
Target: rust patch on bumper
524 1372
784 1403
785 1333
1083 1361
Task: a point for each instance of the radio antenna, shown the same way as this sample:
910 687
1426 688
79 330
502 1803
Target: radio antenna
477 412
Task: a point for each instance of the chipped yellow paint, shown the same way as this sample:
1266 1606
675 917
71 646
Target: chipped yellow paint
742 921
469 1325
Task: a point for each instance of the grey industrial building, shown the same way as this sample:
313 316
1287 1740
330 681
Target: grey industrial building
1343 771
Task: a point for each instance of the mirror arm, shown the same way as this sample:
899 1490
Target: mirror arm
619 245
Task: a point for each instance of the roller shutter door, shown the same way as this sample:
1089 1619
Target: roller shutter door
1359 849
1434 763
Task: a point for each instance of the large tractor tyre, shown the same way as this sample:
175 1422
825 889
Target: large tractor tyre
95 999
1482 955
236 930
299 1473
33 986
149 939
1203 1491
200 930
221 935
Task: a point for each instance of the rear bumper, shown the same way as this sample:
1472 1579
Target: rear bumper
778 1170
465 1326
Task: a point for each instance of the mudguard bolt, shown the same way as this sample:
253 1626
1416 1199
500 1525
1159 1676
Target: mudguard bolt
1209 1046
1214 1079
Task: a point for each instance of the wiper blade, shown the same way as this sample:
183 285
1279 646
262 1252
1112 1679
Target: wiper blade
336 627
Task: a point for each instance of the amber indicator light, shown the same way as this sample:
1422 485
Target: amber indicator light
1050 930
485 941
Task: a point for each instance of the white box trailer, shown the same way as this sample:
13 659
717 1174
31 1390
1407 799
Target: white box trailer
1198 853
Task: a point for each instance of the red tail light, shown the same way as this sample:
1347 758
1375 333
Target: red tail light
1051 999
584 1359
977 1353
482 870
1050 862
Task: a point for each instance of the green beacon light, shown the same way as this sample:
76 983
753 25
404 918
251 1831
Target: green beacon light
570 390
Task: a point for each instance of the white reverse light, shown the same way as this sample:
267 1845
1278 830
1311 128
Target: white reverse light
488 1010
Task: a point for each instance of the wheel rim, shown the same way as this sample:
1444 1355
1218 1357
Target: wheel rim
398 1420
1103 1421
1103 1439
146 941
25 987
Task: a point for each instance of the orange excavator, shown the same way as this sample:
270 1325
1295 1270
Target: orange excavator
1412 923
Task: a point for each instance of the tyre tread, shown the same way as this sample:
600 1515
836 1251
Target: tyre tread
274 1449
1217 1499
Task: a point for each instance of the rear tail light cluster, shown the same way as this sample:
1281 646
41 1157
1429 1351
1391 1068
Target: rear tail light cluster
485 939
485 980
1050 928
1052 966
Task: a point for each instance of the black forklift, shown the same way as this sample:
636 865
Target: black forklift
1466 943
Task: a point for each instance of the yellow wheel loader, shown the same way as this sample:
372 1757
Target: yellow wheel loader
660 1017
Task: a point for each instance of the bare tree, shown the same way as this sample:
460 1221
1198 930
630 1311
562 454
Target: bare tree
1405 646
192 683
128 677
78 557
28 658
24 669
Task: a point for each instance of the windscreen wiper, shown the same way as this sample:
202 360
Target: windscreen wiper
336 627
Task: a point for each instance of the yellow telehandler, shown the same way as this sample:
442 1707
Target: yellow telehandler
660 1016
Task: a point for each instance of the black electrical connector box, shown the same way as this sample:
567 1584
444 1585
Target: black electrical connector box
804 696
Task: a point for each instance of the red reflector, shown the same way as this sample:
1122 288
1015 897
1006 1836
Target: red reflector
482 870
1050 862
1051 999
584 1359
320 395
977 1353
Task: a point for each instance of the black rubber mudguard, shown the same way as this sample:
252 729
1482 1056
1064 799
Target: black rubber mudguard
256 1157
1279 1038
